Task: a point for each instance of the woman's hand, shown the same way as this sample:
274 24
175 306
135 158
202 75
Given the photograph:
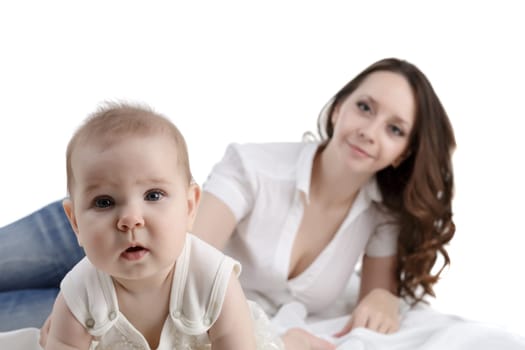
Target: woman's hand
299 339
377 311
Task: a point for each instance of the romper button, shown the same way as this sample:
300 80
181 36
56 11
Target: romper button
90 323
112 315
207 321
176 314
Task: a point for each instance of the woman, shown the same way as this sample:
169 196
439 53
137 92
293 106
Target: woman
299 216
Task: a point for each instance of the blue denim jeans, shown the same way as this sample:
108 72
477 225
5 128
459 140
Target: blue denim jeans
35 254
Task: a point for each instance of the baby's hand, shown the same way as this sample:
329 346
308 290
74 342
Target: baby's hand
378 311
299 339
44 332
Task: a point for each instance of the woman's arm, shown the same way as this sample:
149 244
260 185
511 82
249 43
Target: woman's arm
378 272
214 222
66 333
378 304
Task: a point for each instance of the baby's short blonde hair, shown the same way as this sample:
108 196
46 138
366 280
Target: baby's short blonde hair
112 121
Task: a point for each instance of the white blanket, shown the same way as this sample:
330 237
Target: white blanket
22 339
421 328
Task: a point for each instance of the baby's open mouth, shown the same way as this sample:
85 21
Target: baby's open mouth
134 253
134 249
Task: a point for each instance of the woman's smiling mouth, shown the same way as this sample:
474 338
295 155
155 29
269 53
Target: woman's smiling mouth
359 151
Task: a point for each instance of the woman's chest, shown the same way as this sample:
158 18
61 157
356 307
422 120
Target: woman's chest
316 229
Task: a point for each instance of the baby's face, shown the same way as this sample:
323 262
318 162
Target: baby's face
131 205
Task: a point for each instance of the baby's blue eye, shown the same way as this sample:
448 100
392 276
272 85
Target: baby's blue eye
103 202
153 196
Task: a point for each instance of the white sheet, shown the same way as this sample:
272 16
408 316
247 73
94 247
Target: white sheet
422 328
23 339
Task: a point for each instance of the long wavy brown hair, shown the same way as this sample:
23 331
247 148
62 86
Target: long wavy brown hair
418 193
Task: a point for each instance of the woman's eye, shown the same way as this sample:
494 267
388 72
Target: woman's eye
396 130
153 196
363 106
103 202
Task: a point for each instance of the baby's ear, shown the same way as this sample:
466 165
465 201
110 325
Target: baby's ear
67 204
194 196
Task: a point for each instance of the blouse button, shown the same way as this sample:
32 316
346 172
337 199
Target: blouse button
112 315
176 314
207 321
90 323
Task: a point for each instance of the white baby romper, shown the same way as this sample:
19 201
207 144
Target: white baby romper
199 285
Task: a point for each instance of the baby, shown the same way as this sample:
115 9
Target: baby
146 283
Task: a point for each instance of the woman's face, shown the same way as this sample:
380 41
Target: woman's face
372 127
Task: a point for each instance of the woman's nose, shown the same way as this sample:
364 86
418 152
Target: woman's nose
368 131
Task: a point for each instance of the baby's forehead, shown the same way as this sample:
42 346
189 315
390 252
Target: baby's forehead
128 160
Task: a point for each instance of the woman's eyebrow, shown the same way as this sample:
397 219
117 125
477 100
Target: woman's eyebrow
370 100
401 120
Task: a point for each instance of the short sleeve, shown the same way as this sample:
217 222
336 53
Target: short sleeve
230 181
90 297
201 284
383 241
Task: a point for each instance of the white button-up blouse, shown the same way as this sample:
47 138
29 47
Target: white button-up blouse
265 186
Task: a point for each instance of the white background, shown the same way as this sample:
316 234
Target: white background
227 71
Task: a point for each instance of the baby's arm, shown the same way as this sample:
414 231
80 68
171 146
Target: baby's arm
234 327
66 333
